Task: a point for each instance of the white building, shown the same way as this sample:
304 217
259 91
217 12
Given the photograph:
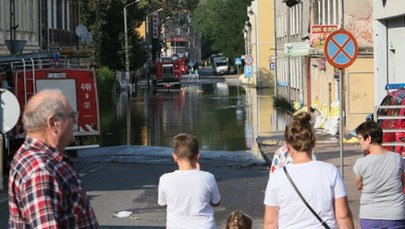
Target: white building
389 46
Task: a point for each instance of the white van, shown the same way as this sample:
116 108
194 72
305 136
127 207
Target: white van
220 65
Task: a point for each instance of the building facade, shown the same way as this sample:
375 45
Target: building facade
389 48
292 42
180 38
42 25
304 75
259 43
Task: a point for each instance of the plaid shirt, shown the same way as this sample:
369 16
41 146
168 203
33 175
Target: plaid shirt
45 190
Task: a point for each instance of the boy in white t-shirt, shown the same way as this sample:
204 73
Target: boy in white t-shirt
188 193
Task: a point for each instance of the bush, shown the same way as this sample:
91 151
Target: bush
282 104
105 80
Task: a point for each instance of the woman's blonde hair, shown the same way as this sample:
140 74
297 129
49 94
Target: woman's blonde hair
238 220
300 133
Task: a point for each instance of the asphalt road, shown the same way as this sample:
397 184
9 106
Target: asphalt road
116 185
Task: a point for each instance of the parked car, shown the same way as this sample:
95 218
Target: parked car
391 119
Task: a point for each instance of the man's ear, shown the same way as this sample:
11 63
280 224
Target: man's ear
174 157
197 156
51 123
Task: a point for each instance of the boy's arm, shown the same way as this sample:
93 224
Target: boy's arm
161 196
215 196
215 205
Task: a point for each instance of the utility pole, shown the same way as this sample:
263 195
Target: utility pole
13 28
127 71
126 39
96 41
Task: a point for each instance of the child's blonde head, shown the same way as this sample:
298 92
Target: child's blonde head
238 220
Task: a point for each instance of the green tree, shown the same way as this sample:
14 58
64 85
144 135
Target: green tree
222 22
106 22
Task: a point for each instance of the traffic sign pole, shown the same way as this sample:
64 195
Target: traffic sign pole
238 62
341 118
341 51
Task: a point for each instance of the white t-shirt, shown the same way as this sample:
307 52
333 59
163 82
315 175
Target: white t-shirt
188 195
319 183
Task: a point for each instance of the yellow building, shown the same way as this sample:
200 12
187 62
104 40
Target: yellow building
142 30
259 42
259 46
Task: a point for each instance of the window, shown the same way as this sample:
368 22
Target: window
2 13
63 15
49 5
167 71
284 21
329 12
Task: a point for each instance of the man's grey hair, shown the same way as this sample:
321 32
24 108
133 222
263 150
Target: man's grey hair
35 118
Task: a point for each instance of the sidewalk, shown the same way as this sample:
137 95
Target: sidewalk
3 193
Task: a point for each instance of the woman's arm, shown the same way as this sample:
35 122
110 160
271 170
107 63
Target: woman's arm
343 214
359 182
271 217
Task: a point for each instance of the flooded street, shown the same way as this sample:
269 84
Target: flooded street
222 116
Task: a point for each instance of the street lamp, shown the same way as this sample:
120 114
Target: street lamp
127 71
126 39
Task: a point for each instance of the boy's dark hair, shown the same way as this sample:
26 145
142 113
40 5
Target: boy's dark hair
370 129
185 146
238 220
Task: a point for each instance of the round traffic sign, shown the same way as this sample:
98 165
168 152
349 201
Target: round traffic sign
341 48
248 60
9 110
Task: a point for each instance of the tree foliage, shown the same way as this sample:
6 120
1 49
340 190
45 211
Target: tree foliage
221 22
105 20
172 8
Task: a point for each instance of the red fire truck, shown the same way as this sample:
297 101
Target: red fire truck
168 70
25 76
183 65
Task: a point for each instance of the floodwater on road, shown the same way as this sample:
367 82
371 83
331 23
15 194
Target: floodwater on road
221 116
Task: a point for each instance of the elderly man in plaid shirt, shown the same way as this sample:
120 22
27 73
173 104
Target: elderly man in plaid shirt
45 191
